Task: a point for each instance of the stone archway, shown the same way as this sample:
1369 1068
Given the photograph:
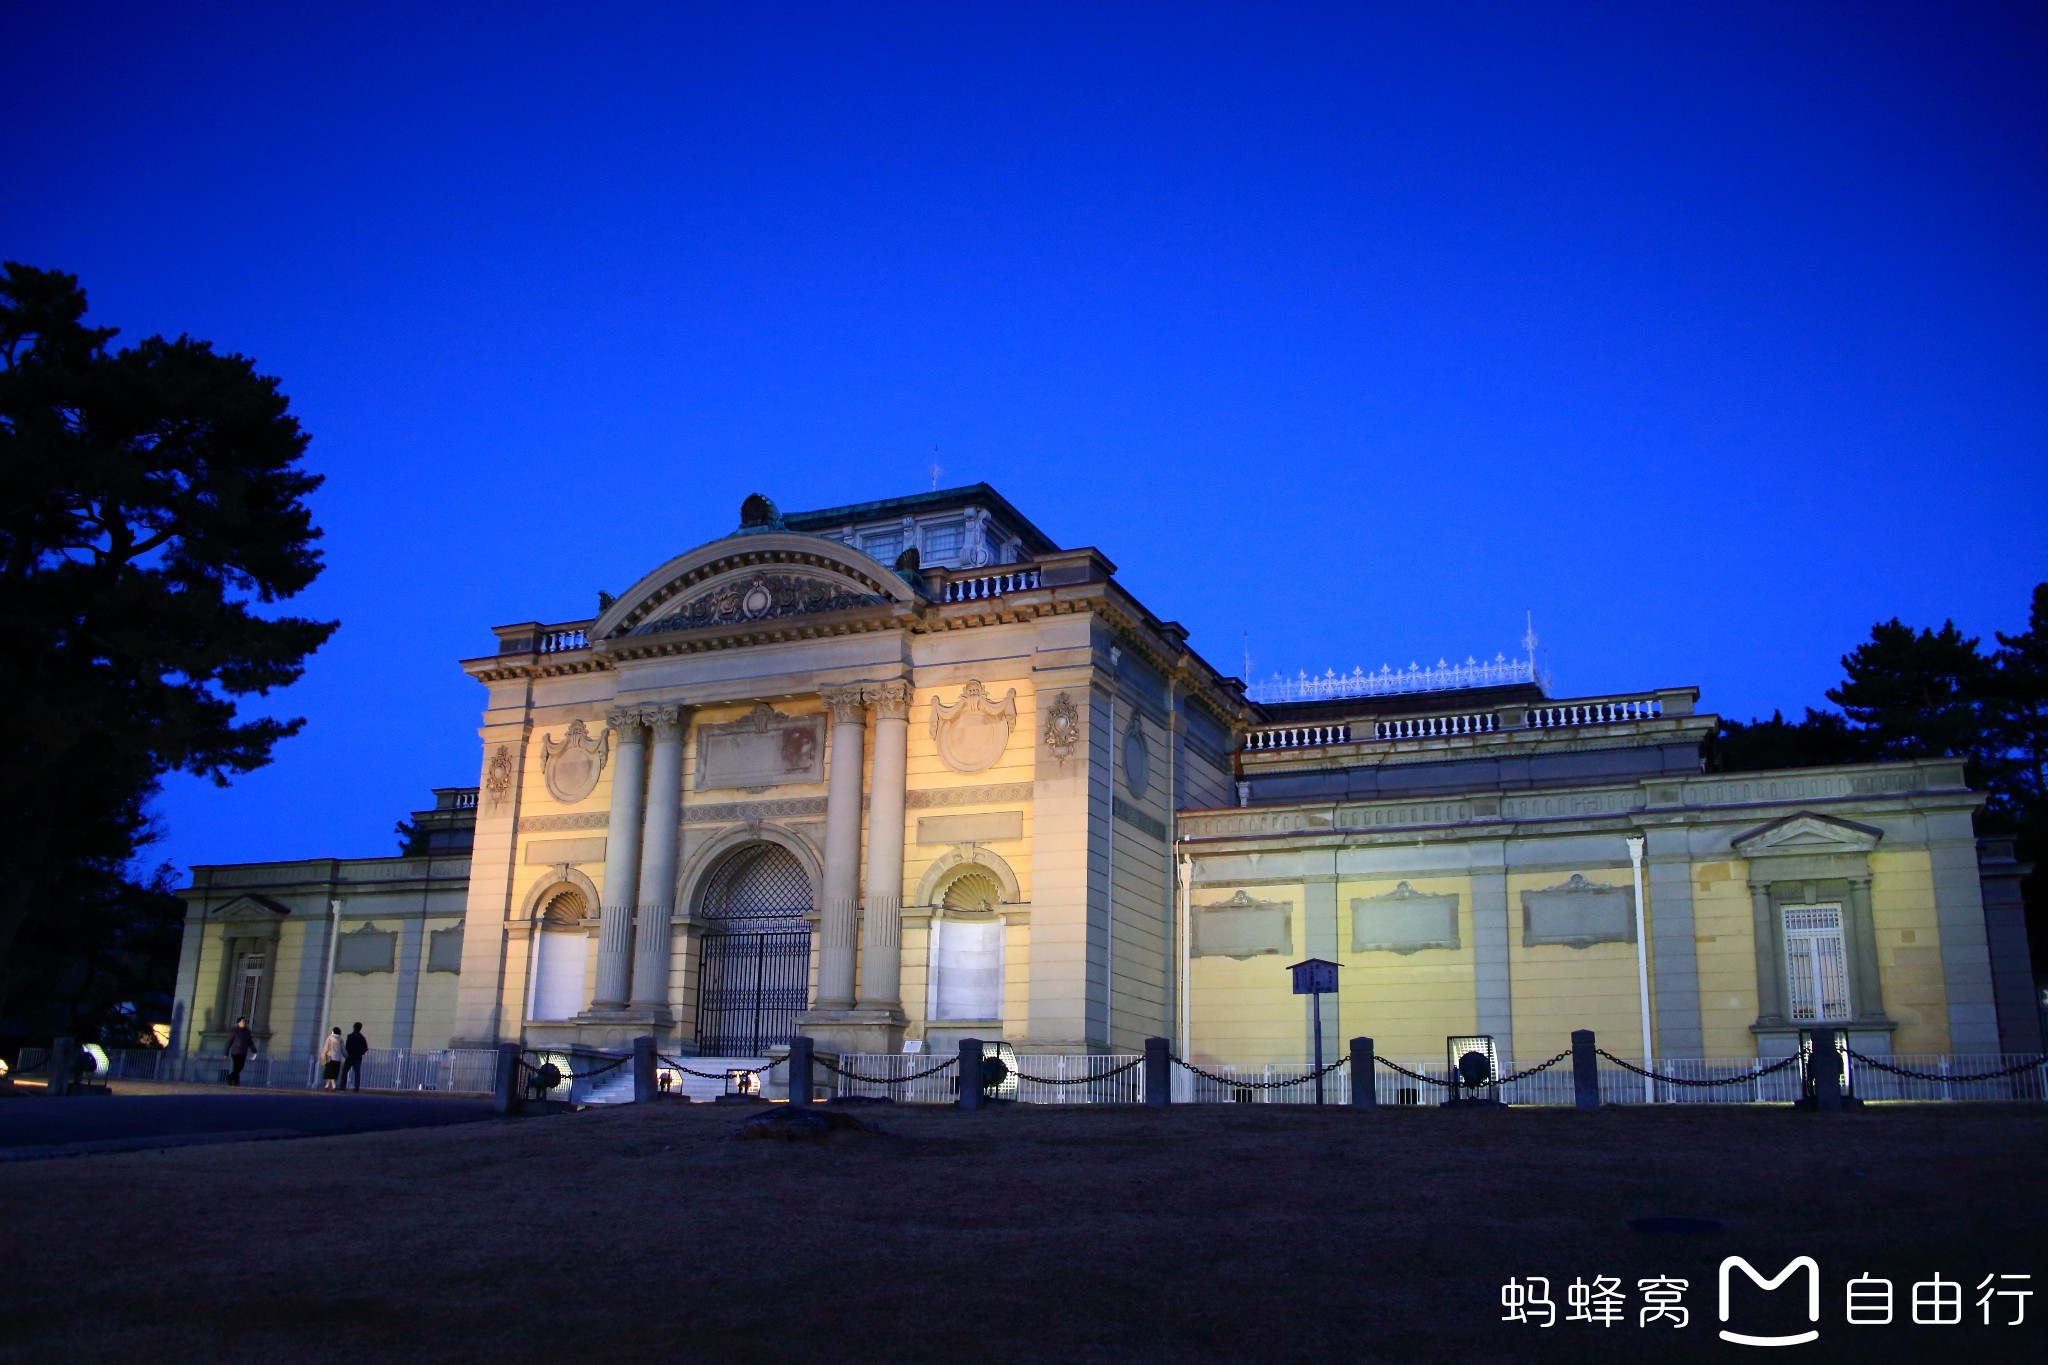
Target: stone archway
754 959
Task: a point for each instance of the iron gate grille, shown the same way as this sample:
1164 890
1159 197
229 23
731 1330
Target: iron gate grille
755 976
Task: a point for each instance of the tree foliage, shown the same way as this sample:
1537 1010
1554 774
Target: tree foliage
152 504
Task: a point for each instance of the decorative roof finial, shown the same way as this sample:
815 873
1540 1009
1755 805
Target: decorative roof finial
758 513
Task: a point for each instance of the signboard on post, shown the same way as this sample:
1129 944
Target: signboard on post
1316 978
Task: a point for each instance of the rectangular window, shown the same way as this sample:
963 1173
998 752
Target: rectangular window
1816 964
943 543
883 545
249 986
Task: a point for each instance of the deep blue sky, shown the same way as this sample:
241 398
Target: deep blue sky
1712 334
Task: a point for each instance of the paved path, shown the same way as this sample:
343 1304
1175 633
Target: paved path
32 1126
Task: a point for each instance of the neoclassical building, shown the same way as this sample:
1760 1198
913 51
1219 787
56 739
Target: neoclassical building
907 771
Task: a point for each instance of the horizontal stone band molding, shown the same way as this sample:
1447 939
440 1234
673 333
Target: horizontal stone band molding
1137 819
984 828
548 824
548 852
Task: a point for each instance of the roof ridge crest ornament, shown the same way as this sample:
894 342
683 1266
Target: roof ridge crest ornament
759 513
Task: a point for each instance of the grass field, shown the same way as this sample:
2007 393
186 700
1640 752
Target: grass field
1225 1233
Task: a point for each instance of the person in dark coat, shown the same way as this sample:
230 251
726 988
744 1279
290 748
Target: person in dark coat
241 1047
355 1045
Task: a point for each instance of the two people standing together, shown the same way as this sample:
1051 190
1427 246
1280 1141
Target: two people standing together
341 1058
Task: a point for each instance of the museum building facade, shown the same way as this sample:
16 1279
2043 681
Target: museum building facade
905 772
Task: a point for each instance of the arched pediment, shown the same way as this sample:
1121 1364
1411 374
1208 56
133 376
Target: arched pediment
753 577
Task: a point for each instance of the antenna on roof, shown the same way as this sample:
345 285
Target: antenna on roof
936 471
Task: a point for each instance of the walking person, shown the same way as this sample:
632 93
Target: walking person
332 1051
354 1048
241 1047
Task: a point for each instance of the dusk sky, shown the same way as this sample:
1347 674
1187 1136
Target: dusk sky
1709 334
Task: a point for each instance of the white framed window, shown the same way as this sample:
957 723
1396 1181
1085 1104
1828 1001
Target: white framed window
882 545
1816 964
249 985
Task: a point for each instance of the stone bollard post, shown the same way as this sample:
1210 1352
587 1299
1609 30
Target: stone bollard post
970 1073
1364 1080
643 1068
1158 1073
505 1085
802 1088
1585 1071
1827 1072
63 1056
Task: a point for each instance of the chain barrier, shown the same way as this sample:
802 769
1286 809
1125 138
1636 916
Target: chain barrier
674 1065
569 1075
1084 1080
2012 1070
1400 1070
1760 1072
885 1080
1237 1084
1531 1070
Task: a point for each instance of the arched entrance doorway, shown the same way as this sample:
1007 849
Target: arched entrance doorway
754 973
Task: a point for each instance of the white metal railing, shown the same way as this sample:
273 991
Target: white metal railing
1040 1078
1434 727
1499 671
560 640
983 586
462 1071
1592 713
1298 737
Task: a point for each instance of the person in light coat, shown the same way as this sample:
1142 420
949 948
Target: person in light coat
332 1051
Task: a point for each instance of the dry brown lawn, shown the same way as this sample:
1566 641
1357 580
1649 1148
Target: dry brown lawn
1227 1233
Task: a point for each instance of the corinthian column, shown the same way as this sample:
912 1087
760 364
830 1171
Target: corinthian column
621 858
658 857
881 936
840 910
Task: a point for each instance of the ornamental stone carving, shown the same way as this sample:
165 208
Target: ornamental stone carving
848 705
366 951
973 732
498 777
762 597
891 700
1242 927
1062 727
1404 920
765 749
571 767
1577 913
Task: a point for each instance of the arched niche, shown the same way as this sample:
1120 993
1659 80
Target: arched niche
548 890
964 861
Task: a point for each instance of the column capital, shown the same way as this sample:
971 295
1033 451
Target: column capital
848 705
628 723
891 700
667 722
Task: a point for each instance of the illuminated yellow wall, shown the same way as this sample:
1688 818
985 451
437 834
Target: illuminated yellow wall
1909 950
1557 989
1724 935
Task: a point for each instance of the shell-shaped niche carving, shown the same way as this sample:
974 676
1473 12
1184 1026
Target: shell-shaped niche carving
973 732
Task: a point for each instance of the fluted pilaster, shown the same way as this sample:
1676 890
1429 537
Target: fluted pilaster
881 939
658 853
839 913
621 857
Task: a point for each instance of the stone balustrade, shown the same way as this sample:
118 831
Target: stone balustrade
1297 737
980 587
1433 727
560 639
1593 713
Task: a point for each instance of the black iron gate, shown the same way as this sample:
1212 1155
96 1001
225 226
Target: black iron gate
754 977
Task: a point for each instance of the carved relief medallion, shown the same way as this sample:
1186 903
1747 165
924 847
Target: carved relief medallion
973 732
571 767
498 776
759 597
1062 727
